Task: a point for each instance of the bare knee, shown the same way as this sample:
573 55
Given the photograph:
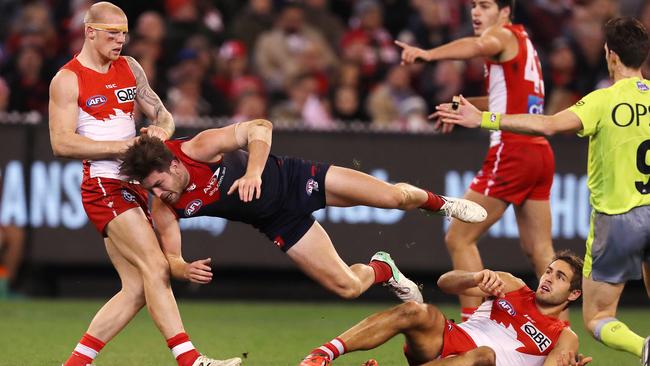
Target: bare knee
348 289
400 196
155 269
135 294
456 242
484 356
413 315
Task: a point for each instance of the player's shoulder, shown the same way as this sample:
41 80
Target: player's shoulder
64 82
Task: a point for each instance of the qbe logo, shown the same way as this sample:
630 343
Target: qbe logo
125 95
192 207
541 340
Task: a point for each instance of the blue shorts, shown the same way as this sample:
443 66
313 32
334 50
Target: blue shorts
305 183
618 245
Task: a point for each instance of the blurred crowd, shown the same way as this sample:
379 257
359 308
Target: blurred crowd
312 63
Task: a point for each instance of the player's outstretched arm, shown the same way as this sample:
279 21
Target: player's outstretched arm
255 136
467 115
169 235
162 122
484 283
63 115
565 352
489 44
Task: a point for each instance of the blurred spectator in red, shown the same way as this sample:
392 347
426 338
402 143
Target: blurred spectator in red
391 103
587 40
445 82
304 108
368 43
12 243
233 76
4 95
547 20
561 92
257 18
429 25
320 17
279 52
27 82
33 27
250 105
347 106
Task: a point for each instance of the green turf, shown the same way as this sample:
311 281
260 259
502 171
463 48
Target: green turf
44 332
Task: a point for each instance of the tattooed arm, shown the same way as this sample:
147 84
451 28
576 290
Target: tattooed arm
162 122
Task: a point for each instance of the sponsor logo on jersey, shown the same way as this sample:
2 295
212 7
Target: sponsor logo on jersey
540 339
125 95
111 86
507 307
128 196
535 104
215 181
311 186
641 86
191 188
96 101
580 103
192 207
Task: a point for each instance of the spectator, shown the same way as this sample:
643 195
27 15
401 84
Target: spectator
250 105
233 77
256 19
347 105
561 92
29 87
547 20
304 107
320 17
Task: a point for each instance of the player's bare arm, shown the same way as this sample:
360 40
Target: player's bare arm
162 122
565 352
484 283
169 236
493 42
255 136
467 115
63 115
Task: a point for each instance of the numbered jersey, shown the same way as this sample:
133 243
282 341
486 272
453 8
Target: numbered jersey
106 102
516 86
515 329
617 122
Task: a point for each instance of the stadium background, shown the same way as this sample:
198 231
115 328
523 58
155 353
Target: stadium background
335 93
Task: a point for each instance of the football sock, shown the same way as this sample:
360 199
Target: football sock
434 202
466 312
331 349
85 351
615 334
383 272
182 349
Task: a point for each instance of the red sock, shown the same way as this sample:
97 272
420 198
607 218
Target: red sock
85 352
182 349
383 271
434 202
331 349
465 313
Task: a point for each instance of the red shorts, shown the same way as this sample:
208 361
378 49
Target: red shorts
105 198
455 341
515 172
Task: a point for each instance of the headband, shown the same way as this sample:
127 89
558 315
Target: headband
109 27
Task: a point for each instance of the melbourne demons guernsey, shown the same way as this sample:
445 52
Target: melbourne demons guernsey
106 102
206 193
516 86
515 329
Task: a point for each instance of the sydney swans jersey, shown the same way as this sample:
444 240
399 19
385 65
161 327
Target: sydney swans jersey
617 122
206 193
516 86
106 103
515 329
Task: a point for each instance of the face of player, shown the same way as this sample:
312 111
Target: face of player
486 13
108 42
555 283
169 185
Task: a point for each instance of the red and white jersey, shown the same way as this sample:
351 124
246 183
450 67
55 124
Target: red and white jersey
106 102
516 86
515 329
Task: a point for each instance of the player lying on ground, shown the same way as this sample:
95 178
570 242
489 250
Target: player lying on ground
210 175
513 327
616 121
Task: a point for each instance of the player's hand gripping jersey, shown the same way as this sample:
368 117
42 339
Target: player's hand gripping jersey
512 326
516 86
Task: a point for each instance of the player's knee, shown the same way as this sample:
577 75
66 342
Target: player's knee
155 269
455 242
484 356
400 196
412 314
348 289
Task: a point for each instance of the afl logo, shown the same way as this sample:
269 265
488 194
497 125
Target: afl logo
128 197
507 307
192 207
96 101
311 186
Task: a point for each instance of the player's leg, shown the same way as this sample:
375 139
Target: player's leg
534 223
481 356
316 256
115 314
462 239
599 305
135 239
347 187
12 243
422 324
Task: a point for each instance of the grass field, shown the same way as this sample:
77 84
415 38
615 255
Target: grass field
38 333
